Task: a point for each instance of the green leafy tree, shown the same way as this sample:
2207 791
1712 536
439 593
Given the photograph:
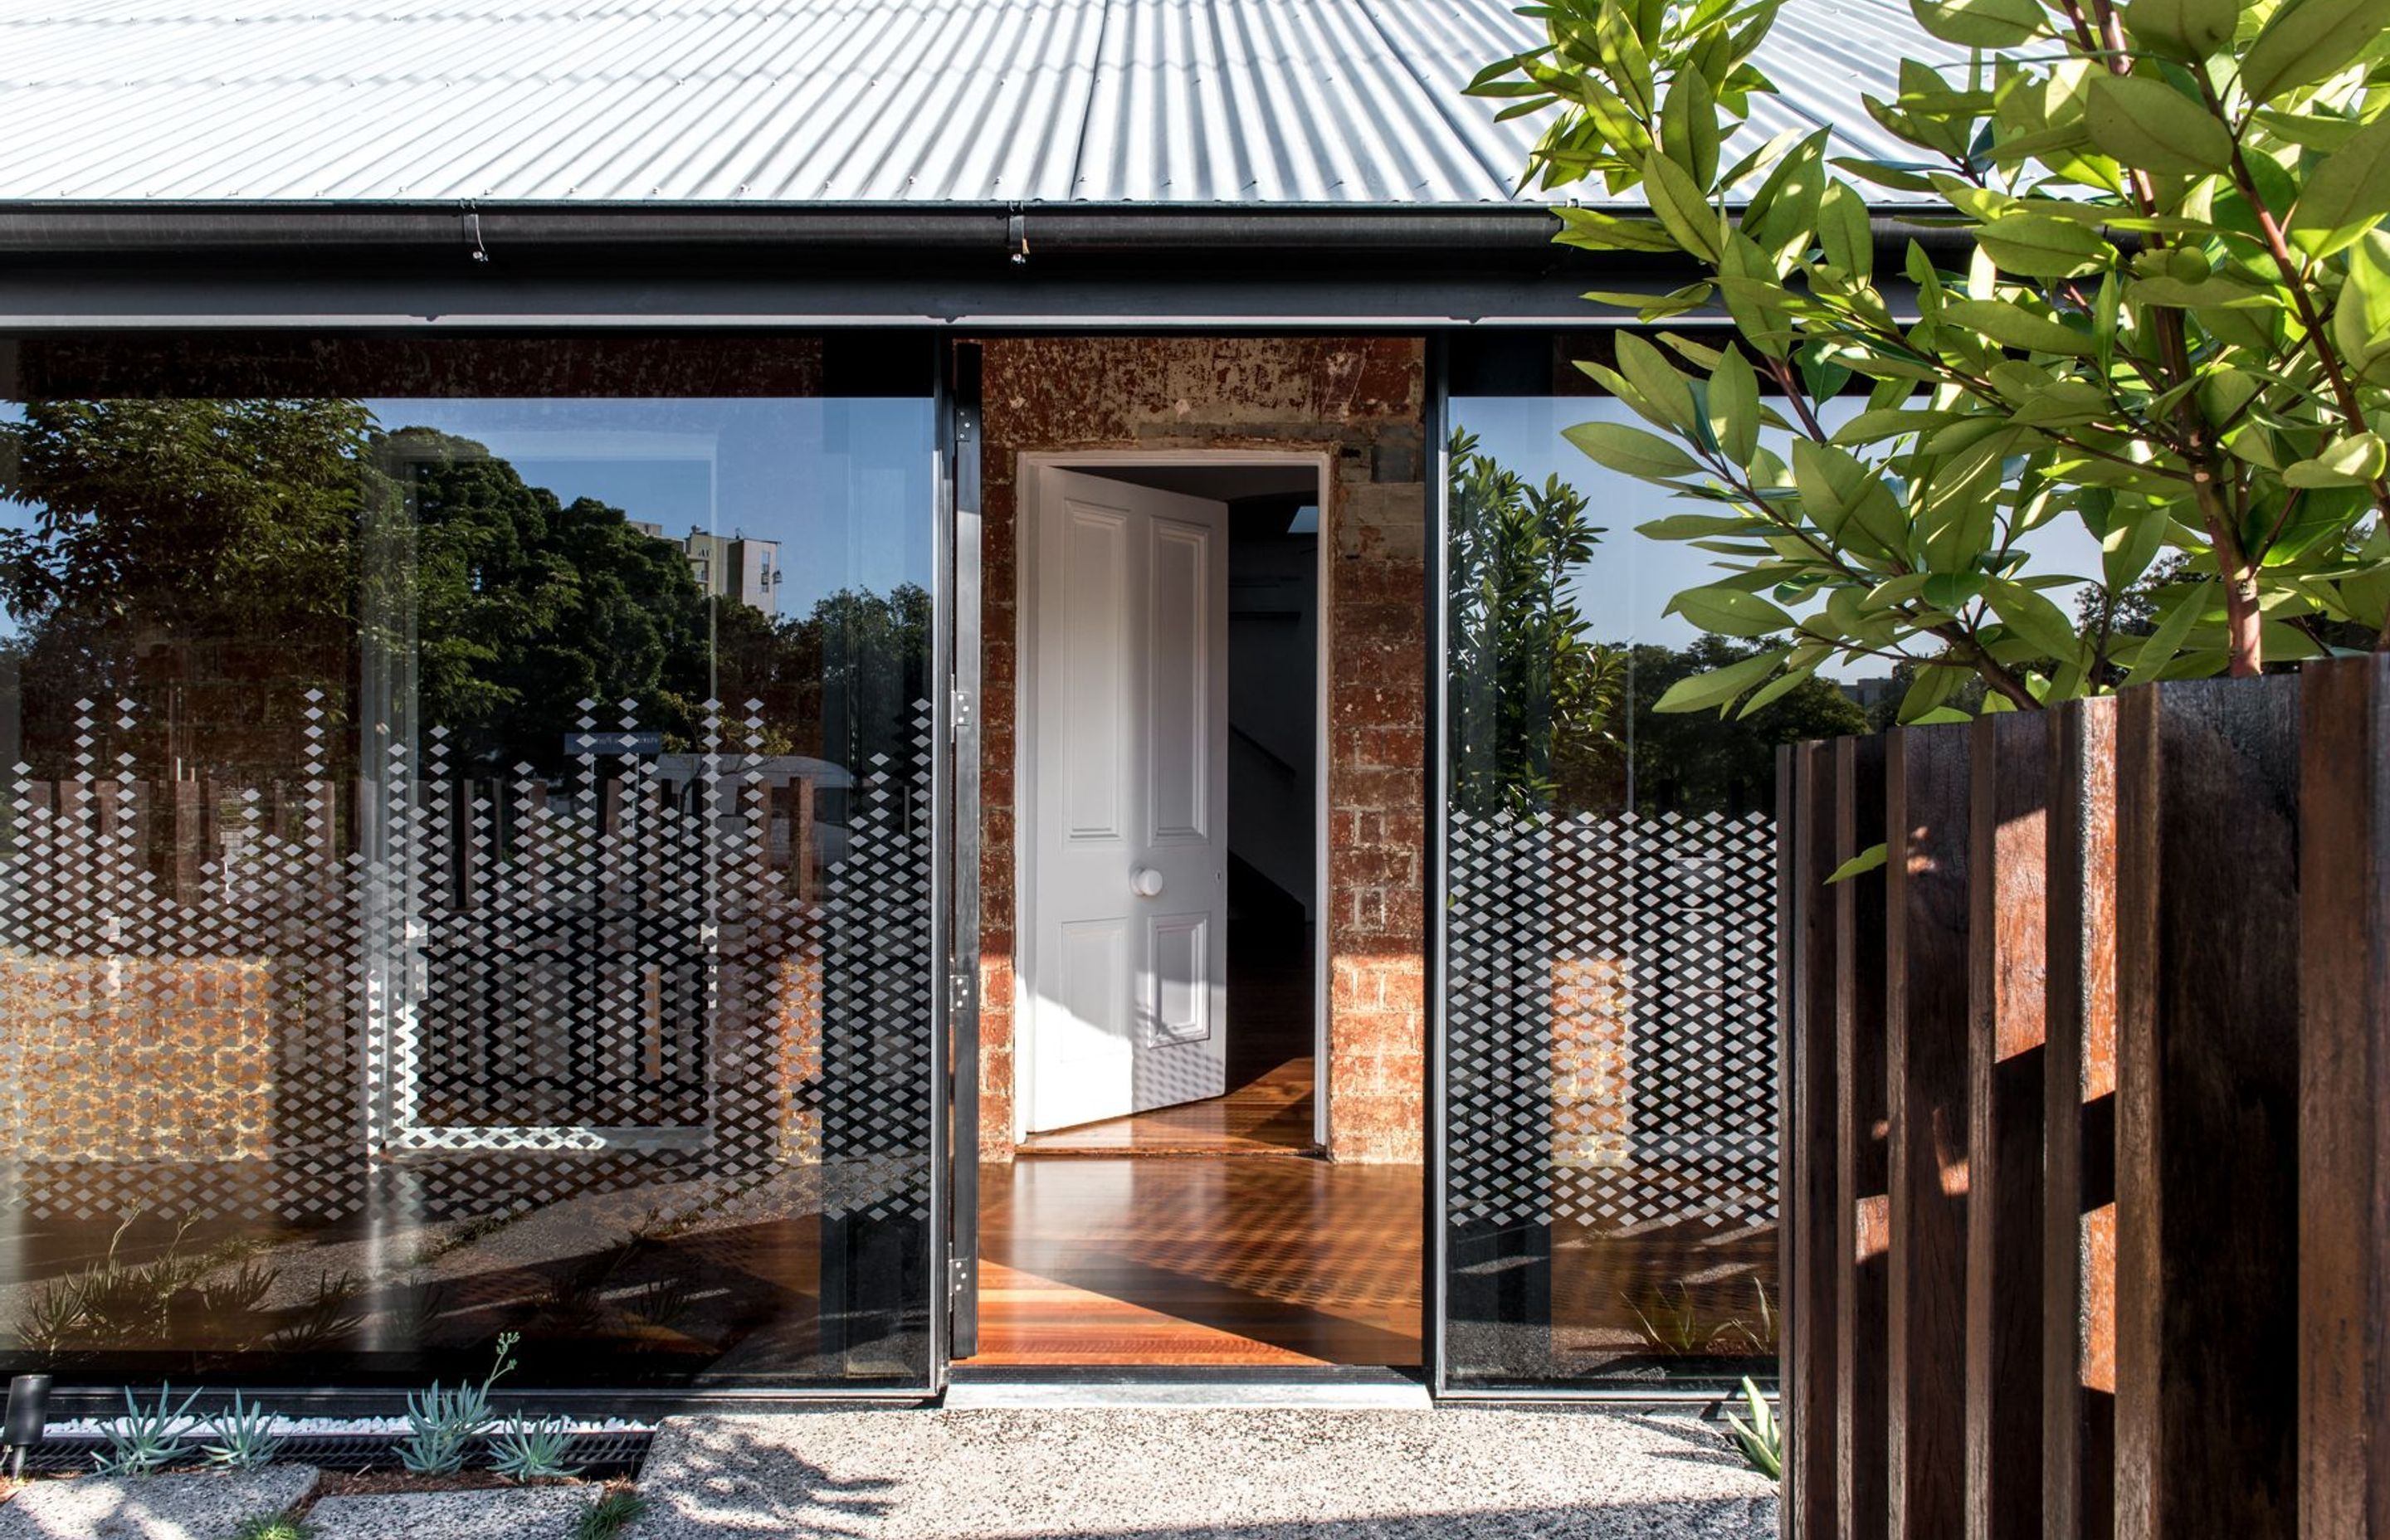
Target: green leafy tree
526 605
1532 697
194 558
840 683
216 563
2173 329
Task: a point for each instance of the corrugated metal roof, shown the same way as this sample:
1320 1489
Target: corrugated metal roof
808 102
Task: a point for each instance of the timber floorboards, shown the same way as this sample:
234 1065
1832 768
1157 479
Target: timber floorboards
1267 1115
1163 1261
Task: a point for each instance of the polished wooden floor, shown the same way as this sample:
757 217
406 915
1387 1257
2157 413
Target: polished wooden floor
1146 1246
1270 1114
1194 1260
1268 1107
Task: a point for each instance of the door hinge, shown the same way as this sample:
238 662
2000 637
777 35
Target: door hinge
958 1279
958 712
958 992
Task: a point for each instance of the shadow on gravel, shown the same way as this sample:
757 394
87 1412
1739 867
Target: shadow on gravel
722 1482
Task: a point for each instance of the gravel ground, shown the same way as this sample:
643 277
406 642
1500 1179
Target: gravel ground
1170 1474
150 1507
540 1514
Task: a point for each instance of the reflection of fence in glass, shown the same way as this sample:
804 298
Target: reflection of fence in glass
1613 1020
211 1004
1610 1027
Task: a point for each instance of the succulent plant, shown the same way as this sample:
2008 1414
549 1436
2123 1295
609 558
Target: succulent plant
532 1449
146 1439
241 1437
441 1422
609 1514
1760 1441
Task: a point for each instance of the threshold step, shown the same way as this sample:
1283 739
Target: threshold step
969 1389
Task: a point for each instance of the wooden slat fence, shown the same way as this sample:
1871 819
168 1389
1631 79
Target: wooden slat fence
2086 1120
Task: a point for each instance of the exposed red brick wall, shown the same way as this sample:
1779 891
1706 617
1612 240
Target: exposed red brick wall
1359 399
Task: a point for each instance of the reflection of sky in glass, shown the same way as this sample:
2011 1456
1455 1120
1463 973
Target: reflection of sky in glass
1631 578
842 484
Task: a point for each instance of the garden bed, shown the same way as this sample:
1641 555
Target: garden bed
600 1452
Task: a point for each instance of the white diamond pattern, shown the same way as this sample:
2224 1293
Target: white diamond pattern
1610 1021
624 965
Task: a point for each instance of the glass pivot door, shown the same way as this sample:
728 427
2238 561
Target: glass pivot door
961 456
474 861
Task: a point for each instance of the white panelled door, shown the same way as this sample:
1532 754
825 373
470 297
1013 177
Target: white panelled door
1129 896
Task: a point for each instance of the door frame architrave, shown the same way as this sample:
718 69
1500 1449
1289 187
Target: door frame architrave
1029 470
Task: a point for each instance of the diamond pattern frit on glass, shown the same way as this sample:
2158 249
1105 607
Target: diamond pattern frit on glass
1612 1021
238 1002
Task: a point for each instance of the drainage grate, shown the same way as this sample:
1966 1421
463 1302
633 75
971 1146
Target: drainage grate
600 1452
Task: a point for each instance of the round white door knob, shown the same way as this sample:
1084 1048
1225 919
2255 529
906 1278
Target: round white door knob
1146 881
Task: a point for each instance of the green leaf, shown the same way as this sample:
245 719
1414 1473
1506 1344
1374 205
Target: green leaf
1934 684
1595 231
1720 687
2308 41
1682 206
2352 461
1734 406
1839 490
2149 125
2012 325
1657 380
2347 195
1729 611
2033 246
2130 545
1871 859
1778 687
1980 23
2220 292
2180 612
1689 125
2033 618
1696 526
1890 422
1844 231
2187 30
1631 450
1754 295
1651 307
1952 590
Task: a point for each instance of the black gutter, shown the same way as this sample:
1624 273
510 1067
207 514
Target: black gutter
819 230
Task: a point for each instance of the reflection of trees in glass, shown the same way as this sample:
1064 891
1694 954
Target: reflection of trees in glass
527 605
193 556
203 559
1532 697
1697 762
840 683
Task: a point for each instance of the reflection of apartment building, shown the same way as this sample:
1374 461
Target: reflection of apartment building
728 566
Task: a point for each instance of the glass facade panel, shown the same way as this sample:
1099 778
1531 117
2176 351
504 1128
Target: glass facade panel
465 861
1610 947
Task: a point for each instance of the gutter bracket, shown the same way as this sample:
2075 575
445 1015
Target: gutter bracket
473 232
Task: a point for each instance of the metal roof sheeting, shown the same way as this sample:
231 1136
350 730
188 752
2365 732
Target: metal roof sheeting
814 101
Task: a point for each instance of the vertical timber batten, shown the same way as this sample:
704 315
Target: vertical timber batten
1926 774
2007 968
2343 1469
2079 1136
2207 1084
1808 1259
1862 1217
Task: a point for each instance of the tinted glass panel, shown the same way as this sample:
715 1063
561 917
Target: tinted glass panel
466 865
1610 933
